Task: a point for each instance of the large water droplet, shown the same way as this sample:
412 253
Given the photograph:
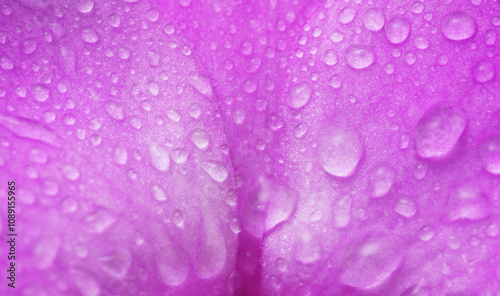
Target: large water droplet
340 148
359 56
438 131
46 251
374 19
489 153
216 170
299 95
160 159
483 71
458 25
370 261
99 221
397 30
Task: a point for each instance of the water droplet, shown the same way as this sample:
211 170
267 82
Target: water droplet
347 15
200 138
115 110
178 218
172 264
27 128
153 15
117 263
85 6
307 247
89 35
381 179
281 264
370 261
100 221
374 19
254 65
493 230
489 153
202 85
483 71
184 3
216 170
38 156
29 46
299 95
71 172
40 93
425 233
421 42
337 36
405 207
46 251
160 159
330 58
179 155
158 193
340 148
360 56
417 7
438 131
235 225
115 20
120 156
342 211
86 283
6 63
467 202
335 81
397 30
490 37
458 26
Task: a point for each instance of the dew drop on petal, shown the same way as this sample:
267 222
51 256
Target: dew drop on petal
458 26
438 131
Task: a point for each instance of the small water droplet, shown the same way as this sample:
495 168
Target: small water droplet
405 207
360 56
115 110
216 170
85 6
330 58
160 159
200 138
178 218
483 71
299 95
120 156
40 93
374 19
397 30
29 46
489 153
381 179
421 42
71 172
425 233
89 35
158 193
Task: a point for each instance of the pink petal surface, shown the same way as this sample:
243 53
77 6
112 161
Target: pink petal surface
251 147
